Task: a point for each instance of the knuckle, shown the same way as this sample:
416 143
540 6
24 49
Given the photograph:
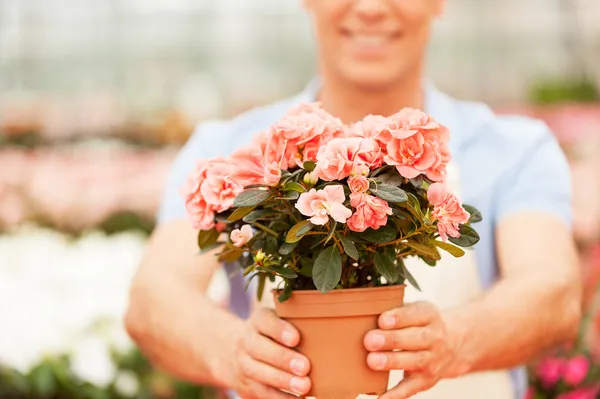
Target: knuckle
423 360
426 335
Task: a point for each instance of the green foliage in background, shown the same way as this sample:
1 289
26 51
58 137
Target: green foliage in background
554 91
52 378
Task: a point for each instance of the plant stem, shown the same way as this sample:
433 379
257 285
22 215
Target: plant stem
315 233
266 229
399 240
291 210
337 242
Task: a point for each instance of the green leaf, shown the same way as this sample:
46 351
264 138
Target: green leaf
380 236
251 186
284 272
257 215
285 294
430 262
206 238
287 248
349 247
230 254
309 166
327 269
468 237
289 196
306 267
262 279
389 193
385 266
407 275
43 381
298 230
331 231
241 212
417 182
293 186
428 251
474 212
451 249
251 198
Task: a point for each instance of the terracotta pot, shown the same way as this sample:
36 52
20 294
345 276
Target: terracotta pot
332 328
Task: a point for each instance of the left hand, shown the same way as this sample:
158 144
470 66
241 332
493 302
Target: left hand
427 352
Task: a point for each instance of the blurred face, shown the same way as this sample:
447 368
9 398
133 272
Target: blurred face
372 44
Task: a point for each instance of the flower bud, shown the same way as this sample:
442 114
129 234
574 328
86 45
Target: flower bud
310 179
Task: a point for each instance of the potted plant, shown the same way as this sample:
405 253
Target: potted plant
329 212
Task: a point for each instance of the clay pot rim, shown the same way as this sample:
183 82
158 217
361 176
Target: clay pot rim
343 302
343 290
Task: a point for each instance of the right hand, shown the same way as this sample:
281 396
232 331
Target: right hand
265 362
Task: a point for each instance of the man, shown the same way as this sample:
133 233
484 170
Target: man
372 55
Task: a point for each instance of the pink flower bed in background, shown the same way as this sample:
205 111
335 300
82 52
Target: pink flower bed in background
77 188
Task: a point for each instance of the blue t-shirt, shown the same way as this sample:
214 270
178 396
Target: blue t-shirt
507 164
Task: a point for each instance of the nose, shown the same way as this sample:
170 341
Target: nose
371 10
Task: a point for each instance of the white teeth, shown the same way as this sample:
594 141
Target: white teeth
370 40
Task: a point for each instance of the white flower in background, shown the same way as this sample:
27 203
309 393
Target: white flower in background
56 292
127 384
92 362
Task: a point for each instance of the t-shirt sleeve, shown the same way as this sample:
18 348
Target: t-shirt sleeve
539 182
172 205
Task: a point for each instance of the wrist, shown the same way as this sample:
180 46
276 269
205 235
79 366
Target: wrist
457 327
222 365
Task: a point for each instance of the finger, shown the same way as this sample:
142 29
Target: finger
266 322
255 390
267 351
270 376
408 361
412 315
410 386
410 339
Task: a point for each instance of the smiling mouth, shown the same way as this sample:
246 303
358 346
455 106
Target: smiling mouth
371 38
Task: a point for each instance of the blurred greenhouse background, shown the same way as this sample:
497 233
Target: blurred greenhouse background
96 98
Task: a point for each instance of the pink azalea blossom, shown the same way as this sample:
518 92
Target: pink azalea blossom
297 137
576 370
210 188
371 126
447 210
358 184
370 212
241 236
530 394
252 167
550 370
340 157
416 145
321 204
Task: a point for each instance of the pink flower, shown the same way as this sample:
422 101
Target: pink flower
241 236
297 137
371 126
417 145
550 371
340 157
582 393
319 205
370 212
210 188
576 370
358 184
530 394
447 210
252 167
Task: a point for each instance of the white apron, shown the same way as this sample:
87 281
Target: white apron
452 282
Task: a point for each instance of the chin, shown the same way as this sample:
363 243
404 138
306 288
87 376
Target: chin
372 77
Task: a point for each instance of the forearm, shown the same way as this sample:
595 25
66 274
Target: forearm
512 322
183 332
169 315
